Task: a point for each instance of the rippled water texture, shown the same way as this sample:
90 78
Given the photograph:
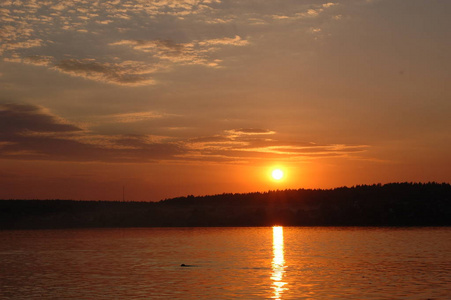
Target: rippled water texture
226 263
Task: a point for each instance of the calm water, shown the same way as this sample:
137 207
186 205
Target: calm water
228 263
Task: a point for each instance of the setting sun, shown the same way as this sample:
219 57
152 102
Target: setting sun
277 174
301 146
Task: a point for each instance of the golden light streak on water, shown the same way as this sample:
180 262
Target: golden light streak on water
278 263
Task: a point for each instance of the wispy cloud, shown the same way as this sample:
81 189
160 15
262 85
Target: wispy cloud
128 74
255 144
235 41
236 133
32 132
309 12
192 53
135 117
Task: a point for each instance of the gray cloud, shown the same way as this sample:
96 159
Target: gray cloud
29 132
16 118
111 73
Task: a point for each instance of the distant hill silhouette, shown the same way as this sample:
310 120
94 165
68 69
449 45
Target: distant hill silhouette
394 204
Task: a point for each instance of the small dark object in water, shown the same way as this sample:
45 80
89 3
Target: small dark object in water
183 265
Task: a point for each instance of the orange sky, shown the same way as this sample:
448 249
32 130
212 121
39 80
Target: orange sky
170 98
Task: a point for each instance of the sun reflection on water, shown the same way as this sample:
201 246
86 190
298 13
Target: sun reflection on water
278 262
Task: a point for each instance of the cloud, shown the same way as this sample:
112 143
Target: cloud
38 60
236 41
129 73
166 50
16 118
32 132
48 26
135 117
248 144
148 46
22 45
106 72
309 151
330 4
90 39
191 53
253 131
306 12
248 132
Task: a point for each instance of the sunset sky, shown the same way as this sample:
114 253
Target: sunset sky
177 97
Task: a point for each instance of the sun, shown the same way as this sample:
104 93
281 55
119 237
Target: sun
277 174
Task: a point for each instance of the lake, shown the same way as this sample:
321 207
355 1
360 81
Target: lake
227 263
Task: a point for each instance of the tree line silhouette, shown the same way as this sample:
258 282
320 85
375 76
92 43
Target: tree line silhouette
394 204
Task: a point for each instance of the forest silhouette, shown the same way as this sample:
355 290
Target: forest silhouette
394 204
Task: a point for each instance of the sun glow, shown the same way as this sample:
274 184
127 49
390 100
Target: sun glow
277 174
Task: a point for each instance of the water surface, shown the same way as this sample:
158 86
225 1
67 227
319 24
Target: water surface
226 263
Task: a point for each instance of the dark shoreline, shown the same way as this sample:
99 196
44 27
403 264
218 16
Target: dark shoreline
389 205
